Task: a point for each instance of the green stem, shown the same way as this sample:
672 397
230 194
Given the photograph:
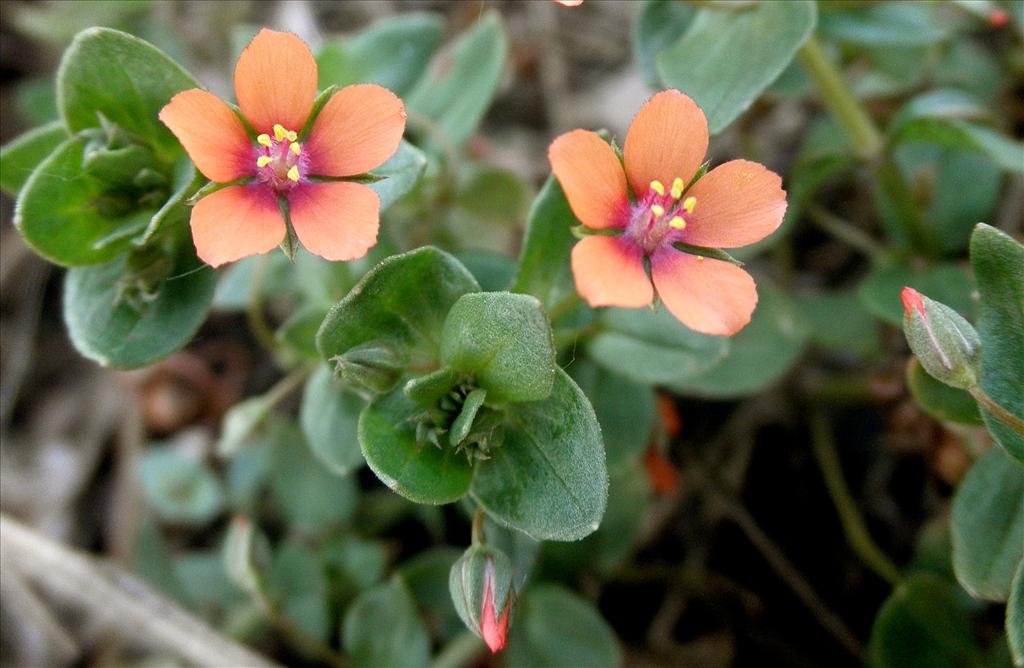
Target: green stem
287 385
478 528
992 406
846 232
853 523
837 96
301 641
254 311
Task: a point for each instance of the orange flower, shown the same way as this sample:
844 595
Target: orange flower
358 129
642 208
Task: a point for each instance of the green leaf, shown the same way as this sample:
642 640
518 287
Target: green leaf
554 628
36 100
657 25
924 624
359 564
652 347
728 58
426 575
114 333
401 173
1015 616
462 81
240 422
312 498
605 550
330 419
126 81
20 156
424 474
624 410
759 355
839 322
898 24
879 292
298 332
402 303
463 422
544 269
998 263
185 180
393 53
548 479
940 117
206 583
988 526
383 629
504 341
69 217
939 400
297 585
179 487
495 196
494 271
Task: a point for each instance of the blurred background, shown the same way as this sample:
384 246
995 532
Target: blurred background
733 552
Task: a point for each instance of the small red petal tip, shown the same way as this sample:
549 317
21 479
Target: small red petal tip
998 18
912 300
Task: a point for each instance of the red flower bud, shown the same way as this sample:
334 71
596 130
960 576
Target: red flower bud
493 630
945 343
998 18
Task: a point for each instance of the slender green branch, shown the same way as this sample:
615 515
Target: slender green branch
992 406
846 232
824 447
837 96
288 384
478 527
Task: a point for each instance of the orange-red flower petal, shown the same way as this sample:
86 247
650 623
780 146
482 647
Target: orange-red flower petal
275 81
336 220
236 222
667 140
358 129
738 203
592 178
609 271
708 296
211 133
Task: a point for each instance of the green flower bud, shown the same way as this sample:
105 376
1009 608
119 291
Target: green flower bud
375 366
481 587
946 344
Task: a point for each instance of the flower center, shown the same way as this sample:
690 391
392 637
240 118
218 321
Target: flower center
660 216
279 159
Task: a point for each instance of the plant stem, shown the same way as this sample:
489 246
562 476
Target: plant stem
824 447
282 388
254 310
837 96
478 528
846 232
989 404
868 142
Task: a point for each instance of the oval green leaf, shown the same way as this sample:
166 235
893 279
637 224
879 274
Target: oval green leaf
383 629
554 628
115 76
998 263
20 156
988 526
329 416
544 269
420 473
548 479
652 347
625 411
726 59
401 173
504 341
113 333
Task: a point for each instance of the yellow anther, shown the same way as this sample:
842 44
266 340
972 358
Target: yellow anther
279 132
677 222
263 139
657 210
658 187
292 135
677 188
296 149
293 173
700 258
264 160
690 203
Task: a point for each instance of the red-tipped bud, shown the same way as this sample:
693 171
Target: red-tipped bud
998 18
481 587
662 473
945 343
